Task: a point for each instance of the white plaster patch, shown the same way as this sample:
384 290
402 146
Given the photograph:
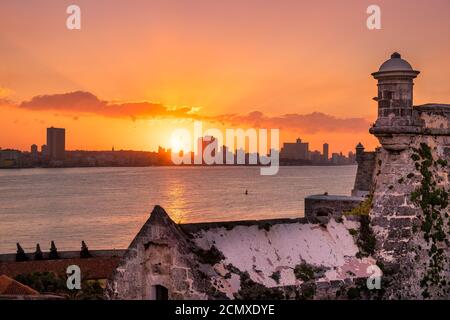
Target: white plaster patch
261 252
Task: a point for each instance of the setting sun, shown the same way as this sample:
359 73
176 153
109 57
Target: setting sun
178 143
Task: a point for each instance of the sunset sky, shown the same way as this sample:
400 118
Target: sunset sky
137 70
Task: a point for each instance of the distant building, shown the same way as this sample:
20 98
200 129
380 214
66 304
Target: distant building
351 157
164 155
34 152
226 153
203 143
339 159
56 143
315 157
44 151
326 148
295 151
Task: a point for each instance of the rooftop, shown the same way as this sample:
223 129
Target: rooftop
10 286
93 268
394 67
334 197
433 107
396 63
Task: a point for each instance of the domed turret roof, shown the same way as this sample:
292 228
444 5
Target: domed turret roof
396 63
395 68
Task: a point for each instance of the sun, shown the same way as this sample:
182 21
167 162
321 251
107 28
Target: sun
178 144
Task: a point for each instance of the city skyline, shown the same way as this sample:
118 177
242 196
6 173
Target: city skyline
40 146
54 154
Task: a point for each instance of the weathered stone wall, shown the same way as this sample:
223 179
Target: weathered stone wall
410 210
161 254
270 259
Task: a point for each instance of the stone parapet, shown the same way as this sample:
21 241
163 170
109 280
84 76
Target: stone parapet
321 208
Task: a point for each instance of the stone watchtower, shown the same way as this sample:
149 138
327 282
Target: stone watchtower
409 214
395 92
395 104
365 172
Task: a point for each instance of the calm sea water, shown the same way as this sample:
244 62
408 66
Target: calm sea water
107 206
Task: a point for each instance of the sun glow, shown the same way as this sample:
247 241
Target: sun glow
178 144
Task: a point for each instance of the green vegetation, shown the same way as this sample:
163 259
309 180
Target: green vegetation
360 291
308 291
211 256
50 283
442 162
432 200
250 290
304 271
339 219
307 272
276 276
362 209
44 282
366 240
354 294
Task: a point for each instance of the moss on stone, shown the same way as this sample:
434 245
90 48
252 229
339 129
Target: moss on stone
276 276
211 256
442 162
366 240
251 290
432 200
362 209
339 219
307 272
304 272
354 294
308 291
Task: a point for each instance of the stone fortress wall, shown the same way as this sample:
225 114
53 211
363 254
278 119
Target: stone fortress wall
410 206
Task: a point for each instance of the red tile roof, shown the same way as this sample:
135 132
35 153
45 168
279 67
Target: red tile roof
91 268
10 286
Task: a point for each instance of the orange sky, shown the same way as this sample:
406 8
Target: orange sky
285 59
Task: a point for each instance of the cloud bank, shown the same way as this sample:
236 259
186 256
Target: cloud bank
81 102
306 123
87 103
